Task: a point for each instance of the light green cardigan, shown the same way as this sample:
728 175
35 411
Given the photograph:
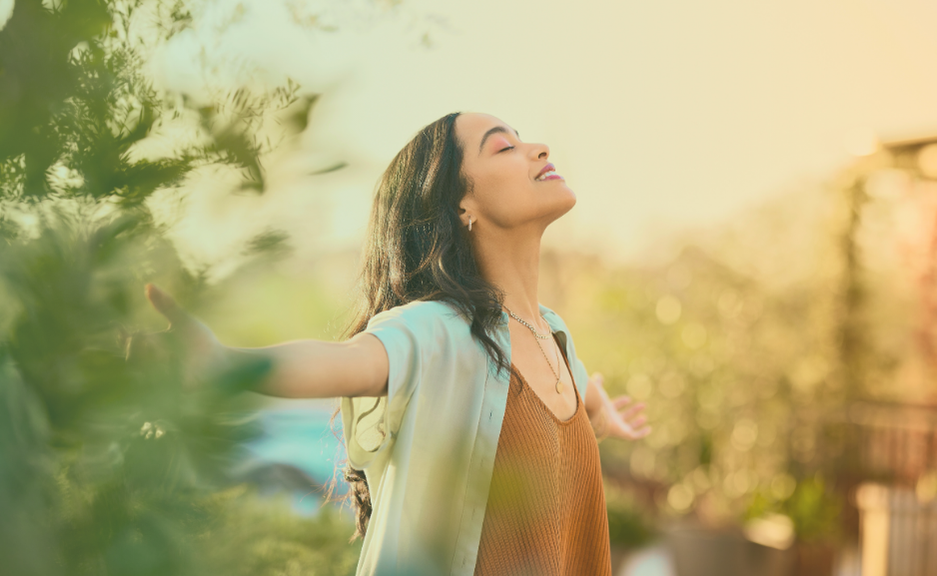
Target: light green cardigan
428 447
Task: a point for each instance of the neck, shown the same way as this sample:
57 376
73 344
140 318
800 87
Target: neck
510 260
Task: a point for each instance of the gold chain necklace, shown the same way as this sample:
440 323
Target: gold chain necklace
528 324
558 386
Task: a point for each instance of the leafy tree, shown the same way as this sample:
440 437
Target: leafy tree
107 464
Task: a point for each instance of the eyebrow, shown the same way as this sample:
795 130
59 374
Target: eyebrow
495 130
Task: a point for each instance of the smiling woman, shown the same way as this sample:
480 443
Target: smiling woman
469 421
513 184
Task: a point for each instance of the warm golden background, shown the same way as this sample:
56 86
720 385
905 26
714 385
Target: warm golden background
753 253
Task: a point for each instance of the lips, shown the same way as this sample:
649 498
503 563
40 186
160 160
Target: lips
548 173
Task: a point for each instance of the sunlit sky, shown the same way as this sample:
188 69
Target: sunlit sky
662 116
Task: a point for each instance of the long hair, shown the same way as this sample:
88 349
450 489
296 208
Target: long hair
418 249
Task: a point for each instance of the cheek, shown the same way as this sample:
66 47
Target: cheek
505 202
508 179
503 190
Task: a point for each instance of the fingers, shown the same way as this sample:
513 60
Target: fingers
631 426
632 412
629 423
631 432
637 422
641 433
636 429
621 401
164 304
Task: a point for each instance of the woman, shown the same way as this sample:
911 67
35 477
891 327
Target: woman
463 401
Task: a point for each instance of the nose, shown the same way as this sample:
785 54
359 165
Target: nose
542 151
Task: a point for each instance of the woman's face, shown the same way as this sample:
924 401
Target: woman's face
513 184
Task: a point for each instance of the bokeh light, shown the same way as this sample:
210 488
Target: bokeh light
753 254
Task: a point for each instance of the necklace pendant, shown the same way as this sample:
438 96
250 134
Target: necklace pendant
559 387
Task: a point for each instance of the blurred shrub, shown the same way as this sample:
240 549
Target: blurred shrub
813 507
74 111
747 344
107 465
815 510
629 524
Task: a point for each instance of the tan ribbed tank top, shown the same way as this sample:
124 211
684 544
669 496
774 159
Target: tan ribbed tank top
546 512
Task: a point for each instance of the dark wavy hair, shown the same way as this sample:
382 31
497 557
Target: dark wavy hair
418 249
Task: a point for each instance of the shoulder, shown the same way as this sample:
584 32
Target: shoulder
559 326
422 315
554 320
423 329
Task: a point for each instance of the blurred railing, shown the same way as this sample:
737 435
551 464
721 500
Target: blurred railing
899 531
894 463
895 443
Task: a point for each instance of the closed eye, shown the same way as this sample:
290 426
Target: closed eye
504 149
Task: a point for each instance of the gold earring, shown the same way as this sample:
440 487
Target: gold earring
470 223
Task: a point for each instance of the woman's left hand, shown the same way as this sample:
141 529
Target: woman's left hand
619 417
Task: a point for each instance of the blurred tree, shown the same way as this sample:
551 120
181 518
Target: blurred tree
106 464
735 343
73 110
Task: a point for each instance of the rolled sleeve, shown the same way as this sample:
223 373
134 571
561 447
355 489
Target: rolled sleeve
370 424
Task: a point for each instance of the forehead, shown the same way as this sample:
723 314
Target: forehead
471 127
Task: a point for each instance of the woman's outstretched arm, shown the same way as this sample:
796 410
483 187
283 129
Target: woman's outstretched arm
318 369
300 368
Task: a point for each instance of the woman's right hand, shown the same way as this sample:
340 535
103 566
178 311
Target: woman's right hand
200 348
296 369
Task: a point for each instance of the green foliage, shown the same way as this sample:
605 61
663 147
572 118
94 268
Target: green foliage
734 343
274 540
74 111
814 508
629 524
27 464
75 107
109 464
711 351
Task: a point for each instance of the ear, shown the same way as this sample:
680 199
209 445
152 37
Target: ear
467 209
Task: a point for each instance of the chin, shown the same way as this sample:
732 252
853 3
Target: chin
563 205
570 200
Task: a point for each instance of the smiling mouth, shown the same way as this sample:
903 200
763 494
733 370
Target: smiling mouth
549 175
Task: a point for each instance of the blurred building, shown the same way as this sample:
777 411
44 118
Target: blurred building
893 425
